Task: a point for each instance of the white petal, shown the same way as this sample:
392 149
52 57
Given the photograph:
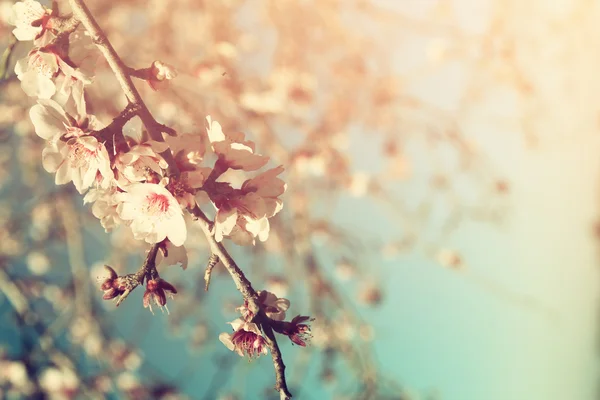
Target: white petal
177 231
225 338
37 85
48 119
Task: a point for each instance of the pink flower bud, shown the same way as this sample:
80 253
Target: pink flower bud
155 290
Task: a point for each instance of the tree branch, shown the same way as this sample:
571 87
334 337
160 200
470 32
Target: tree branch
82 13
245 287
146 271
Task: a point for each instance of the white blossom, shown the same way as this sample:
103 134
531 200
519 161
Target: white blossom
24 14
153 212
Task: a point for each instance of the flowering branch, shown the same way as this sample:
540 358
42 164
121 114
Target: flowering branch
251 297
82 13
124 285
130 186
280 382
112 134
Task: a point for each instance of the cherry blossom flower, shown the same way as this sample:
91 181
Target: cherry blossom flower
269 187
139 163
104 207
241 218
242 215
51 122
30 19
153 212
37 71
297 330
233 151
186 186
155 291
188 150
77 157
273 306
69 90
44 73
82 160
246 339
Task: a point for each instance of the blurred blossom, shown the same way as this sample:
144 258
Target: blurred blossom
437 49
15 373
359 184
345 270
59 383
130 384
370 294
199 335
277 285
38 263
366 332
124 357
451 259
41 218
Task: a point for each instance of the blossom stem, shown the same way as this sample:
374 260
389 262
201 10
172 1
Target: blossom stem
83 14
112 134
245 288
147 271
142 73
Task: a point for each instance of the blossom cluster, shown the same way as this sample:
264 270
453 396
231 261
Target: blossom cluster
247 338
127 178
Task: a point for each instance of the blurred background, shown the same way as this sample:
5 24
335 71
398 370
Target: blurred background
441 220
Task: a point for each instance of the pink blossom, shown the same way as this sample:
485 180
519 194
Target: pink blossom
37 72
82 160
104 207
233 151
242 215
139 164
185 187
25 15
273 306
69 152
241 218
188 150
69 90
246 339
52 123
155 291
269 187
153 212
297 330
49 120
